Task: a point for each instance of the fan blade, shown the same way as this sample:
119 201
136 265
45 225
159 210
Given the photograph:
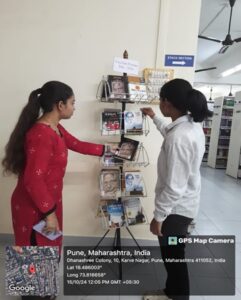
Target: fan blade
207 69
209 39
223 49
237 40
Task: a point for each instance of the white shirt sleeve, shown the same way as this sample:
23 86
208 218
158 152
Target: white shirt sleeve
178 159
161 124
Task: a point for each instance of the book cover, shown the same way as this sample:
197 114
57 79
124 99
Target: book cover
137 91
116 216
110 183
134 211
133 122
111 122
109 155
51 236
134 184
102 207
127 149
117 86
135 79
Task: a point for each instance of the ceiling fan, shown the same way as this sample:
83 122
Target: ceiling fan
228 40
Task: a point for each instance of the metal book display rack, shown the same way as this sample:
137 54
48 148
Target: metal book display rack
141 159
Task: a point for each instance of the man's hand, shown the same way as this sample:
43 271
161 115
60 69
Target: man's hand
148 111
155 227
52 224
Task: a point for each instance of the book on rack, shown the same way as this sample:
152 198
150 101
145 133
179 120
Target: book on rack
134 184
135 79
133 122
127 149
110 183
102 207
116 215
134 211
109 155
137 91
111 122
116 87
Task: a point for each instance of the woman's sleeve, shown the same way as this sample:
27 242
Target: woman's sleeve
76 145
38 151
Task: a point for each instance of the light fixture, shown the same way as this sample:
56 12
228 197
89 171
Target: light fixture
231 71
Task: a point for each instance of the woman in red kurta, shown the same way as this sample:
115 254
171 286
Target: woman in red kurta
43 144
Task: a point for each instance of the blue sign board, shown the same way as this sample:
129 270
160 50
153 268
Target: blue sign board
179 60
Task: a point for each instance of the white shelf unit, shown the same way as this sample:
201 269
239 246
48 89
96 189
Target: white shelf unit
220 133
234 154
207 127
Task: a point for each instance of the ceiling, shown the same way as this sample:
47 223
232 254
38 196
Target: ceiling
214 21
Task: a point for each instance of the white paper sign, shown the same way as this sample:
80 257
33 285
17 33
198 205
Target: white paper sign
126 66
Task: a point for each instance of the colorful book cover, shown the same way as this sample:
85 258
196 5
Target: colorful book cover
111 123
116 215
137 91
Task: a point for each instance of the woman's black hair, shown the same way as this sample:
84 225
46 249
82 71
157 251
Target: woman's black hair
186 99
40 100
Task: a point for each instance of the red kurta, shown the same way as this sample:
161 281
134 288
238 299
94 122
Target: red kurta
39 188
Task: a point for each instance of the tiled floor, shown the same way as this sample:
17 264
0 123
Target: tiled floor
220 213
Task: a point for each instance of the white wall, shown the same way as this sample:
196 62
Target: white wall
75 42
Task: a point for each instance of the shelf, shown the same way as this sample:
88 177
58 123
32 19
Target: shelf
140 98
226 117
109 160
127 213
228 107
220 167
111 121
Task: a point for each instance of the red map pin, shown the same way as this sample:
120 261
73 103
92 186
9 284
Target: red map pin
31 269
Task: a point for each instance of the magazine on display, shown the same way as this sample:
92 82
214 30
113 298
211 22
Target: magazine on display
117 88
102 208
110 183
116 215
109 155
134 184
135 79
127 149
133 122
134 211
137 91
111 122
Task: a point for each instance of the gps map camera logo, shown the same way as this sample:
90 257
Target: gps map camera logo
172 240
